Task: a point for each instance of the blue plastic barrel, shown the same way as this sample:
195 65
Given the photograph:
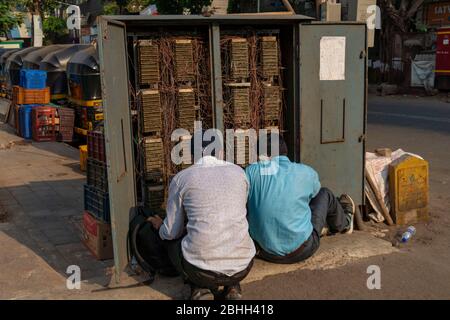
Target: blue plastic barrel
25 120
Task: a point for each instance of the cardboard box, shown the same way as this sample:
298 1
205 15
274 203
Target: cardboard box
97 237
330 12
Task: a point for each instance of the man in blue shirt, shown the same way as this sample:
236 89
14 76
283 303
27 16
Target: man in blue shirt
288 210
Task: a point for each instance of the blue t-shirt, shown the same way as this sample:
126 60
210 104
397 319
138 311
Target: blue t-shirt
278 204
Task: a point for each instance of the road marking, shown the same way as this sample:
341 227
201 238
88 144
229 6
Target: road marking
402 115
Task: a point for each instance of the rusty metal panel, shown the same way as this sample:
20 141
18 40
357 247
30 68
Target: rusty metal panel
333 104
118 135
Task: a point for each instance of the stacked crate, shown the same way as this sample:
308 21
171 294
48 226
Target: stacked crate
96 197
97 233
44 123
31 94
66 124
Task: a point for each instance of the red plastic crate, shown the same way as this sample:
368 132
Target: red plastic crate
44 123
96 145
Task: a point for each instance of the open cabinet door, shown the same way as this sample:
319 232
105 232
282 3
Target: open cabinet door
118 134
333 104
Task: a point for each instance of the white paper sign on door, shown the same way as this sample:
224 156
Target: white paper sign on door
332 58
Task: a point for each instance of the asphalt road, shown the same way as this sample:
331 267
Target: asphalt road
421 270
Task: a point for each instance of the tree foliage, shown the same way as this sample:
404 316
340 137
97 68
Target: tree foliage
8 19
54 29
179 6
164 6
40 7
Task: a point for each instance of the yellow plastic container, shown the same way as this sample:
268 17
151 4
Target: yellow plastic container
83 157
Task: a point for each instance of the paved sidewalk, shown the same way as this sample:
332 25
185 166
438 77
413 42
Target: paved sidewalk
41 188
41 194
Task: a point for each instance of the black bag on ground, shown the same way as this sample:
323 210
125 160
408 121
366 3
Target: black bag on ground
147 247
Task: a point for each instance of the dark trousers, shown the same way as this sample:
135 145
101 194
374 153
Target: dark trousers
167 258
325 210
198 277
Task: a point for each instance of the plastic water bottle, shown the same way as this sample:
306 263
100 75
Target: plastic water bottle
408 234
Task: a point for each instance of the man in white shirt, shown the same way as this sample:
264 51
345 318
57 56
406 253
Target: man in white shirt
206 227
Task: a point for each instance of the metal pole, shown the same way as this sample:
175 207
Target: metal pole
217 92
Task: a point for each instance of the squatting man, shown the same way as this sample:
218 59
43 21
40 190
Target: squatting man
219 217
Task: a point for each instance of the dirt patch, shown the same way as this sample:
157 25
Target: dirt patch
11 144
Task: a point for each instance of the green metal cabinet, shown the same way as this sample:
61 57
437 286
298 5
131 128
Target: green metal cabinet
333 105
325 114
118 135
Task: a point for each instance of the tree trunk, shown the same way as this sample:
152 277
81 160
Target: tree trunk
36 11
396 20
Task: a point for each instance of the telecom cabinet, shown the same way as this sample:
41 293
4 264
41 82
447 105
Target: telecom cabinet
241 72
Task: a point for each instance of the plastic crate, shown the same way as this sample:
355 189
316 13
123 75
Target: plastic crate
97 175
44 123
66 115
65 134
30 96
96 145
33 79
25 124
96 202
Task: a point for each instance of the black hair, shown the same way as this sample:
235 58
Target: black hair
204 143
283 149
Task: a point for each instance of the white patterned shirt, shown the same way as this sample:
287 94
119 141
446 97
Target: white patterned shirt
212 195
